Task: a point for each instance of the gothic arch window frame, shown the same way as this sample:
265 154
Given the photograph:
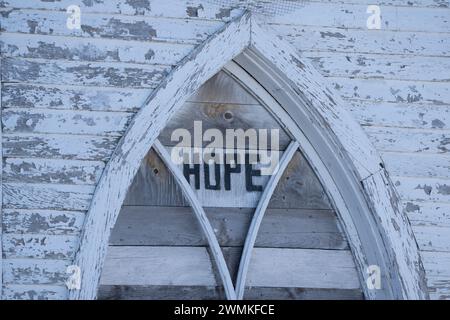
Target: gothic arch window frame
349 167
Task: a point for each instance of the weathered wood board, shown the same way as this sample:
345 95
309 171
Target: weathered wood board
176 226
180 266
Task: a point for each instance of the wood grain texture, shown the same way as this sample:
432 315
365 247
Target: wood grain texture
417 165
170 265
409 140
42 222
392 90
65 122
98 50
176 226
423 213
330 39
367 66
46 196
215 293
168 8
423 189
60 247
139 28
354 16
52 171
84 73
35 271
403 115
59 146
34 292
73 97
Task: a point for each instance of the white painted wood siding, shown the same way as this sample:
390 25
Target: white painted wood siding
67 97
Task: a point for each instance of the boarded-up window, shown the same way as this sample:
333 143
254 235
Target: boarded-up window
158 250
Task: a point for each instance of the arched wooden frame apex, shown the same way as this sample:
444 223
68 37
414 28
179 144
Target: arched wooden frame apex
378 232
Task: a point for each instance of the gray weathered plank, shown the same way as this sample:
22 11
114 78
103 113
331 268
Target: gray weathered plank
59 146
65 122
393 90
109 26
60 247
100 50
35 271
215 293
46 196
52 171
214 116
167 8
291 268
223 89
176 226
423 189
354 16
396 67
428 213
34 292
364 41
42 221
430 238
417 165
405 115
73 97
409 140
108 74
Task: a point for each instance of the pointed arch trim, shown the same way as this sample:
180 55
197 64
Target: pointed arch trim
378 231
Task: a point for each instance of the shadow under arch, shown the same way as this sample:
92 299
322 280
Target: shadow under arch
349 167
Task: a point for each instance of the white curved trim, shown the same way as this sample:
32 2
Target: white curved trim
258 218
200 214
335 144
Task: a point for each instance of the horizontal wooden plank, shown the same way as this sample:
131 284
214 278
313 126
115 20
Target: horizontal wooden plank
224 117
288 268
100 50
42 221
354 16
437 266
109 26
35 271
417 165
411 92
56 247
52 171
73 97
34 292
167 8
223 89
409 140
177 226
364 41
59 146
47 196
396 67
90 74
65 122
214 293
158 266
428 213
426 189
430 238
405 115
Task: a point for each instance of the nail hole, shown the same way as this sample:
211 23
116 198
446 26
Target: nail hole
228 116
